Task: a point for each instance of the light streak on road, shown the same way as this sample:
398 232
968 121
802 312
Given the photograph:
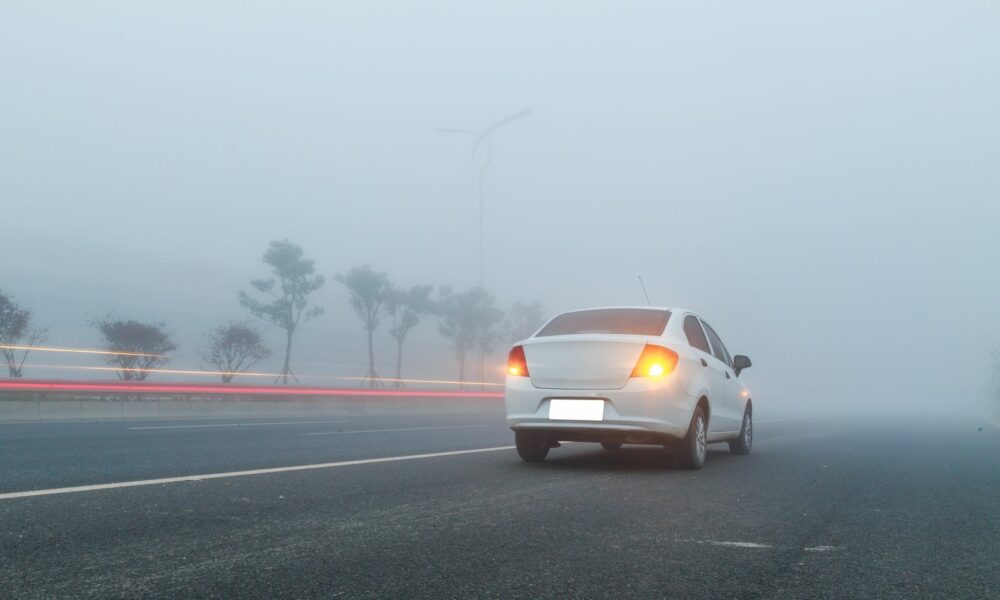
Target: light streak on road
76 350
207 373
198 372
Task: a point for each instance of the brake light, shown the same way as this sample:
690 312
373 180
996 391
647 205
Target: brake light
655 361
517 365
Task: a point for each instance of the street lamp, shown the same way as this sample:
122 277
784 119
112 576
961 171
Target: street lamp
482 156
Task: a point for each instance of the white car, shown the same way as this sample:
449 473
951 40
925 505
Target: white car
632 375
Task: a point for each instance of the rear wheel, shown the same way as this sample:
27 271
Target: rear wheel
694 446
531 447
611 445
742 444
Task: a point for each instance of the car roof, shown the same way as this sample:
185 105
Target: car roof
670 327
671 309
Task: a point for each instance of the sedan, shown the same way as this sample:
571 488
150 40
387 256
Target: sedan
627 375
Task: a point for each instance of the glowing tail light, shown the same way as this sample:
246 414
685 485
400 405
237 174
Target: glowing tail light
517 365
655 361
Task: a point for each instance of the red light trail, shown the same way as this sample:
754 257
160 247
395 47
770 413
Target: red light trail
133 387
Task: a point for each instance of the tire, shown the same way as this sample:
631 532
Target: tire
742 444
694 447
531 447
611 445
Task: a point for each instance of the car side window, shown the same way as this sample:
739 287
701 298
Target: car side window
718 348
696 337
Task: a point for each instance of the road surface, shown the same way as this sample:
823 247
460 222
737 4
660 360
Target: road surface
823 508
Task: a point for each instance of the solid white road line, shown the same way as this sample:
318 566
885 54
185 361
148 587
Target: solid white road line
236 425
734 544
165 480
391 430
759 546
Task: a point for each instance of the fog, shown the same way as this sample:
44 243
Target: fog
819 181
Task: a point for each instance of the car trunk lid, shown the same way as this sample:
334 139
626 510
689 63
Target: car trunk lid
583 362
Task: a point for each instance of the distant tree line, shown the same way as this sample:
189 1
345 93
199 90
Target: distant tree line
469 319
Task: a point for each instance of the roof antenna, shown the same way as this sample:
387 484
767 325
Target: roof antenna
648 303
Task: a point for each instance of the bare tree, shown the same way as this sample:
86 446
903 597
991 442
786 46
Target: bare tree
406 307
17 336
465 317
234 348
523 320
135 347
369 291
286 294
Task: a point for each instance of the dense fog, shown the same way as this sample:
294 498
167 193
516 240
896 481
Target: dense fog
818 181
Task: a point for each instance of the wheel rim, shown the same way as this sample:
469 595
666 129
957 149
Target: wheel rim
748 429
699 437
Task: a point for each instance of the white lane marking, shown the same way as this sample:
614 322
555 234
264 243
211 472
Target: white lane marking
759 546
236 425
391 430
166 480
738 544
821 548
731 544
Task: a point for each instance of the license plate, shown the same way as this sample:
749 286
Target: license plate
576 410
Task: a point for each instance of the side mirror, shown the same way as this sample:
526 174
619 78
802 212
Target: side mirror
741 362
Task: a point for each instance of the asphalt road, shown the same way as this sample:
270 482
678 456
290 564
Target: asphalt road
822 508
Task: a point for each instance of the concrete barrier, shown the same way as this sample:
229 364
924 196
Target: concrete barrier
41 407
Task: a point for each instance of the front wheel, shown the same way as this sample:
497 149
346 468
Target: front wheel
742 444
531 447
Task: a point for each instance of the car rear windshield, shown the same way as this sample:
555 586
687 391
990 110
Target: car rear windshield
629 321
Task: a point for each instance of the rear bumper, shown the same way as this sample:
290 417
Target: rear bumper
643 411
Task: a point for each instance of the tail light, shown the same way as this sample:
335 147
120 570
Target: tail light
655 361
517 365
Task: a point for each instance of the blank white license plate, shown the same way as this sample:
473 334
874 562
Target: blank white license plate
576 410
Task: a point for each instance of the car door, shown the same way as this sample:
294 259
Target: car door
730 413
715 375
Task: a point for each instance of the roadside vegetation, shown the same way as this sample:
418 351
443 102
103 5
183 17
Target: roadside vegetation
406 308
470 320
18 336
283 299
369 291
234 349
135 348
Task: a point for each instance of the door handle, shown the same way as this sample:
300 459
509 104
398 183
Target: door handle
727 375
704 362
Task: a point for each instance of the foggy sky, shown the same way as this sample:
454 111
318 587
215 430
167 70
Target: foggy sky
818 180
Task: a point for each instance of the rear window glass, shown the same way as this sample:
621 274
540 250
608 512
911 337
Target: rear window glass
629 321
